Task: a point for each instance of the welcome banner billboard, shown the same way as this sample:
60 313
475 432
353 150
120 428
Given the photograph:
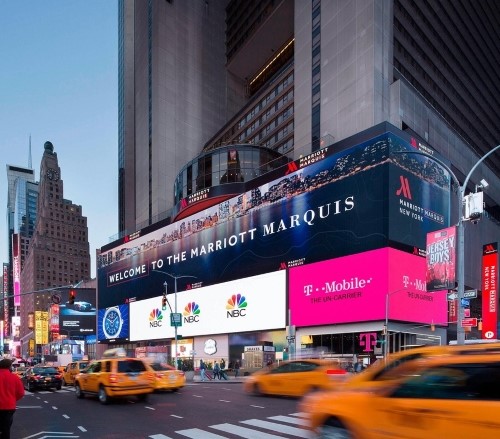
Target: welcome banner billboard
333 205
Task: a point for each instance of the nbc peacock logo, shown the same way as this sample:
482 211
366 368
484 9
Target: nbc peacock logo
155 318
191 313
236 306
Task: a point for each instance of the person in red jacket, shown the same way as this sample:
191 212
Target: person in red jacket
11 391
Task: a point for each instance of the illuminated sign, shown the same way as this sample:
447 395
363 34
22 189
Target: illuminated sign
490 291
353 289
16 257
251 304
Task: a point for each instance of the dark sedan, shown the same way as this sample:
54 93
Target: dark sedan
42 377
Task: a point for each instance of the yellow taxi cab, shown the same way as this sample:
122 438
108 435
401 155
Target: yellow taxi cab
20 370
115 375
71 370
449 396
295 377
166 377
401 363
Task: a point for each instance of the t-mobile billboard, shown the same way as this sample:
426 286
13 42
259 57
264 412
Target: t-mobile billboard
355 288
251 304
324 206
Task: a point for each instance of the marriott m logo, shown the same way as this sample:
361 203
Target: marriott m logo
405 187
292 167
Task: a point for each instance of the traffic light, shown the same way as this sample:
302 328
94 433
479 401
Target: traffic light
164 302
72 297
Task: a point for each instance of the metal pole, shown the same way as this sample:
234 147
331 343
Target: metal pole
175 327
461 250
386 342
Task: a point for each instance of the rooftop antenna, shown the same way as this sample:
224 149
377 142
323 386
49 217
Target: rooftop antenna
29 156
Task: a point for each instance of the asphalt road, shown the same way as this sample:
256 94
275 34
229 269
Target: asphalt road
201 411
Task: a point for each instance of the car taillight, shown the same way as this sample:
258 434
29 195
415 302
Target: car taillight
159 375
181 373
336 372
58 375
113 378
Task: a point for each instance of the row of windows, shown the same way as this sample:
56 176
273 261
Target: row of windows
266 100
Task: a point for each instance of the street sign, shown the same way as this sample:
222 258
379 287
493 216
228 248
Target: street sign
472 321
175 319
452 296
470 294
465 303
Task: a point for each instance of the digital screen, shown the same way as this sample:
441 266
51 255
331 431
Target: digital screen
113 323
78 318
251 304
354 289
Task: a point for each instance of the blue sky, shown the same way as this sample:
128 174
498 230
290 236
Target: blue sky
58 82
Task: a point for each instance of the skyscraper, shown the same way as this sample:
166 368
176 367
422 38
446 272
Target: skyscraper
58 254
290 75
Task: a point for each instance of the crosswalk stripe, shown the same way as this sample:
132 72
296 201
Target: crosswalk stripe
299 414
289 419
159 436
280 428
243 432
196 433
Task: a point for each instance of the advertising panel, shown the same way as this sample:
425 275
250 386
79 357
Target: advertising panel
330 205
41 327
16 272
113 324
441 259
490 291
250 304
78 318
355 288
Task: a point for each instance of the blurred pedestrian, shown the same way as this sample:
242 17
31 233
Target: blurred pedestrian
202 370
236 369
11 391
217 371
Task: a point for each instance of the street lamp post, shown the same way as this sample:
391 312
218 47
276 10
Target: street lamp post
386 329
460 234
175 308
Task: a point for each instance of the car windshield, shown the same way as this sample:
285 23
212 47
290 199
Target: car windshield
40 370
82 365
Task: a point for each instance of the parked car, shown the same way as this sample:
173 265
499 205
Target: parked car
446 396
115 376
42 377
71 370
166 377
295 377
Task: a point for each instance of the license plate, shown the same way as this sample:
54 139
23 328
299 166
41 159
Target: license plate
48 379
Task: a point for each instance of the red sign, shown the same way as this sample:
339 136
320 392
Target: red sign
490 291
472 321
441 259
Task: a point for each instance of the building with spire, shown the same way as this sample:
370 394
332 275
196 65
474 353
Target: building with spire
58 253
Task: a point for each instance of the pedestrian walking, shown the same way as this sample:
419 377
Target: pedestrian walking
236 368
11 391
217 370
202 370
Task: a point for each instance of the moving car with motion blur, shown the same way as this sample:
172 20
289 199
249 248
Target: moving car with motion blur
295 377
113 376
401 363
41 377
454 396
166 377
72 370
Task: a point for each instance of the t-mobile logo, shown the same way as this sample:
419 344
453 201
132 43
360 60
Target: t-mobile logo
308 290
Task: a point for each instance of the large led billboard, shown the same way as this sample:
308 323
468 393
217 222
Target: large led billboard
78 318
326 205
251 304
113 324
355 289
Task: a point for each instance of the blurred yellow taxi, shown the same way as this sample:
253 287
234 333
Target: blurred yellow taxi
295 377
449 396
402 363
115 375
71 370
166 377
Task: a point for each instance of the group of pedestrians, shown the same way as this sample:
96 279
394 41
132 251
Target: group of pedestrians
219 370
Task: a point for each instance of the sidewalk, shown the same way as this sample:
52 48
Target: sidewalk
230 380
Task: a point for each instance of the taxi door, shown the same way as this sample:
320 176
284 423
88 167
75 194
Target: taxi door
90 379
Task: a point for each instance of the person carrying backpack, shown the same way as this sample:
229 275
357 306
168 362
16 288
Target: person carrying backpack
217 371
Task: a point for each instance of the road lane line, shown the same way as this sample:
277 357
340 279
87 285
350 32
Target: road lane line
257 406
150 408
280 428
65 416
198 396
177 416
223 400
82 429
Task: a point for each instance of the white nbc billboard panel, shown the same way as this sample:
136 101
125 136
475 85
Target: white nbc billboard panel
250 304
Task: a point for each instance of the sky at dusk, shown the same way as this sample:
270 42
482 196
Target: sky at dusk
58 76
